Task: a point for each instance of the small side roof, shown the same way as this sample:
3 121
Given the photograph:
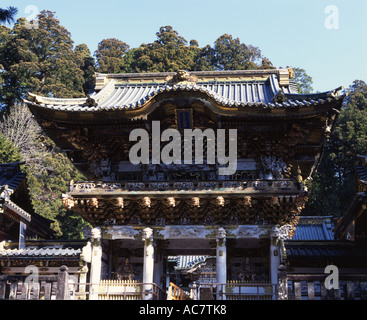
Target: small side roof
314 228
42 249
13 181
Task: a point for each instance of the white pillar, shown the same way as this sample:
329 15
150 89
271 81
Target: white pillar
221 263
277 236
274 261
96 263
148 267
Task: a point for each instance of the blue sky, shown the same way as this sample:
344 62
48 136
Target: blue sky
288 32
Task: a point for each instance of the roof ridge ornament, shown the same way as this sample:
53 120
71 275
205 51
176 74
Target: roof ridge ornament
182 76
33 98
290 72
335 92
280 97
90 102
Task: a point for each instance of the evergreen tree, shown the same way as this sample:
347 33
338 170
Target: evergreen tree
231 54
87 64
40 60
8 152
333 185
172 52
7 15
168 53
110 55
303 81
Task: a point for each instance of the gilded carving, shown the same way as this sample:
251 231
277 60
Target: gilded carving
186 211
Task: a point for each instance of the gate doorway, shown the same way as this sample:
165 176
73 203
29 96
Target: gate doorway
186 272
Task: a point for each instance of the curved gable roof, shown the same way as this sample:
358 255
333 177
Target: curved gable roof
230 89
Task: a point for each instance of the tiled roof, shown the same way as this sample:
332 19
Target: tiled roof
228 93
11 176
11 179
314 228
316 251
18 210
362 174
187 262
332 251
42 250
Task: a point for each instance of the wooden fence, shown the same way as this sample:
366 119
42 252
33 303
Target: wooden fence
234 290
128 290
239 290
58 287
46 288
312 287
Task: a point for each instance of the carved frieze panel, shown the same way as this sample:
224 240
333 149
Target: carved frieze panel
120 232
189 211
184 232
250 232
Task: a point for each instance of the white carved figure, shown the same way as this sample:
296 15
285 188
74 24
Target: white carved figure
273 168
171 201
120 202
68 203
96 233
147 201
196 201
281 233
94 202
221 233
220 201
247 201
147 234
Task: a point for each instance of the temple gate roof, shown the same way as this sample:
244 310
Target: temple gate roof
243 91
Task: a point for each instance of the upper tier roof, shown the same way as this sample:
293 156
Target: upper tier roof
246 88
